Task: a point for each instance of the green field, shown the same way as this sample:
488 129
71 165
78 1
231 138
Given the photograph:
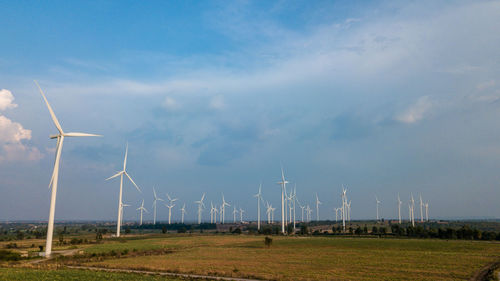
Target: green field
307 258
22 274
288 258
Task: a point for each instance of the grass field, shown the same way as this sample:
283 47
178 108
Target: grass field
22 274
308 258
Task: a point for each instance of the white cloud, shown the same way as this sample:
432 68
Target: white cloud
6 100
217 102
170 104
12 135
416 111
485 85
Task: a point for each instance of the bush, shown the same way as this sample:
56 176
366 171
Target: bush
6 255
268 241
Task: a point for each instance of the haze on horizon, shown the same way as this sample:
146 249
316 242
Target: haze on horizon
384 97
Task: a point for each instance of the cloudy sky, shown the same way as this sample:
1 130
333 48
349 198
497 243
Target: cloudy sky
384 97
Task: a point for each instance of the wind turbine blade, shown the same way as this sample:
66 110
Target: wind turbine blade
132 182
53 172
54 118
125 159
73 134
114 176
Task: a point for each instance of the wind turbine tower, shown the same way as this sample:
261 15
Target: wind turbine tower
183 212
142 209
224 204
317 207
378 203
156 198
200 207
283 183
259 198
399 208
55 174
121 173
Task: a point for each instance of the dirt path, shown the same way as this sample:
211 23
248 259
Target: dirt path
55 253
162 273
486 271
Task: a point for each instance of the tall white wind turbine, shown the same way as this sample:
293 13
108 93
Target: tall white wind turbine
399 208
241 215
121 173
183 212
234 214
317 207
142 209
170 206
156 198
200 207
421 209
55 174
378 203
283 183
223 206
259 198
427 211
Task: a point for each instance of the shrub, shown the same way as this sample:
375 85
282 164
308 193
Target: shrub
6 255
268 241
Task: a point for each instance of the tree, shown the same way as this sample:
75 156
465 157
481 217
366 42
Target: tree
358 231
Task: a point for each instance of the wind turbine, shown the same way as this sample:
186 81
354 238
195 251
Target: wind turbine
349 211
283 183
200 207
336 214
224 204
154 205
399 208
183 212
241 215
412 211
259 198
344 202
170 206
421 211
317 207
142 209
427 211
55 174
121 173
123 205
272 214
211 212
378 202
268 212
234 214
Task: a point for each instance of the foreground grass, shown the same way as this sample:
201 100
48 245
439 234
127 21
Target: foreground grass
309 258
22 274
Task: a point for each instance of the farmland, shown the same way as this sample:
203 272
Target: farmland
288 258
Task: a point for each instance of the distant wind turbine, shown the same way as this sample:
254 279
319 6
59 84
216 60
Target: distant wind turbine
283 183
200 207
121 173
224 204
154 204
399 208
259 198
183 212
142 209
170 206
317 207
55 174
378 203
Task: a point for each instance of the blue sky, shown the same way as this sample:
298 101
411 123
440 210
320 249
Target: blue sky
381 96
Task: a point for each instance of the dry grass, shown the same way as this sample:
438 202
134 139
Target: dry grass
314 258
